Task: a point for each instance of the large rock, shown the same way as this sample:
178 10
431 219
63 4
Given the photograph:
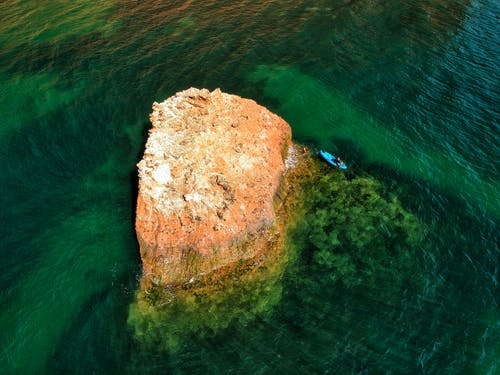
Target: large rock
211 170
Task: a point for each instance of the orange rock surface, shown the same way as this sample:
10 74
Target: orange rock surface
212 166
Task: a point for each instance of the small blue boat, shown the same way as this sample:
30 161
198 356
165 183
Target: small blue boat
332 160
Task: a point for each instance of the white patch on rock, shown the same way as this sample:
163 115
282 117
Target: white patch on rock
156 191
195 197
246 161
162 174
291 157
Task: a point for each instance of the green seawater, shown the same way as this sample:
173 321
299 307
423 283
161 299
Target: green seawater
395 264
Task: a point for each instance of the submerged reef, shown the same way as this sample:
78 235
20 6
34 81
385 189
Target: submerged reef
167 322
356 231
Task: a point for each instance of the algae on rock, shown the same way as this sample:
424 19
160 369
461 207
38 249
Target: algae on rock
356 230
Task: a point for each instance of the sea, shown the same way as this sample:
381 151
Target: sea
395 264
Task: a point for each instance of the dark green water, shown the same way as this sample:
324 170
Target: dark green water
404 279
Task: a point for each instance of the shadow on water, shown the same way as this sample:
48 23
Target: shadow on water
134 176
96 342
350 151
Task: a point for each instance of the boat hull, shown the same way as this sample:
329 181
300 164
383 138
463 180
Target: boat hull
330 159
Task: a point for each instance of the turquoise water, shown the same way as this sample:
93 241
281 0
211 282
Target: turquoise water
407 92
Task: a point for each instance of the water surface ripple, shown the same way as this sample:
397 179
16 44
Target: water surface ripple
396 269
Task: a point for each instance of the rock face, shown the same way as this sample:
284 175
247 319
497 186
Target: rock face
211 169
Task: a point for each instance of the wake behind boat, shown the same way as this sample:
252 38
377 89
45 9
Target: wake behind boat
333 160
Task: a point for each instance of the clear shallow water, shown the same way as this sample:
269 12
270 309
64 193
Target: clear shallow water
407 91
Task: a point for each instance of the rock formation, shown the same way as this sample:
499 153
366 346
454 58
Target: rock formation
211 171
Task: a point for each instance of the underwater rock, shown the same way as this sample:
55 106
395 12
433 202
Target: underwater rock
211 172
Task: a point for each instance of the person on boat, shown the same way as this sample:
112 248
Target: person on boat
338 160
